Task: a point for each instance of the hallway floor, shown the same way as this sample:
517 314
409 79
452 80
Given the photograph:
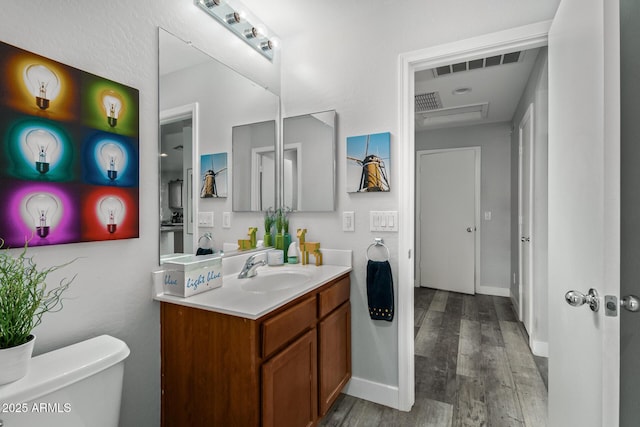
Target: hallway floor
473 368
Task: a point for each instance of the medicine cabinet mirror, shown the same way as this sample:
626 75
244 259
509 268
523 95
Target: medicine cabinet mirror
309 162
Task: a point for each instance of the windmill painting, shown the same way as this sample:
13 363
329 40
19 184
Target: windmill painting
213 168
367 163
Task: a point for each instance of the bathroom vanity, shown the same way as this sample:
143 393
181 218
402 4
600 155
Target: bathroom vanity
243 355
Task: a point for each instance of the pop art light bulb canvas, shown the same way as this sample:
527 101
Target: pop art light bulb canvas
69 153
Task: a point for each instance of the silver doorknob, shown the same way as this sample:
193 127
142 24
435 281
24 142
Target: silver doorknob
576 299
469 229
630 303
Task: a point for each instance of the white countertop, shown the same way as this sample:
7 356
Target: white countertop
232 298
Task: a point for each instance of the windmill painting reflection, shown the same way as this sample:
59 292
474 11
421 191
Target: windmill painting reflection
214 175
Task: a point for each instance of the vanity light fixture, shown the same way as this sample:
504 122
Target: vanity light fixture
232 18
235 17
268 45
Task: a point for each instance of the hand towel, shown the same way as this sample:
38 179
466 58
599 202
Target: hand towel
380 290
204 251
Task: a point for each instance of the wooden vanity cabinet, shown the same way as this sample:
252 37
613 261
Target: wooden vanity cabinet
283 369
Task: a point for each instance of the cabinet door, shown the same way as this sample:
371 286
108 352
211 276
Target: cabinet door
334 357
290 385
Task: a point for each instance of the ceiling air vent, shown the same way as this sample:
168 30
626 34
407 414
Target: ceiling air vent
507 58
428 101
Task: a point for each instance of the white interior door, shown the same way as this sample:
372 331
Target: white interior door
584 211
525 134
447 217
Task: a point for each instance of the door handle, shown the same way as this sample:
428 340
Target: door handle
525 239
630 303
469 229
576 299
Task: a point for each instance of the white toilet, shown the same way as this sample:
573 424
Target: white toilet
78 385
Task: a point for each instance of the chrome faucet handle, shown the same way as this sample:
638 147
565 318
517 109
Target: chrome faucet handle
250 266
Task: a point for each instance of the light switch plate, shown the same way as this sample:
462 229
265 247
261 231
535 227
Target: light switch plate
383 220
226 219
348 221
205 219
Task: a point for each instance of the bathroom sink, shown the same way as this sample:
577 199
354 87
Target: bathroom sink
269 280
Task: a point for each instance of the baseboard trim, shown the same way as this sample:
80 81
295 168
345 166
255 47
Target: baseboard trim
540 348
493 290
382 394
516 305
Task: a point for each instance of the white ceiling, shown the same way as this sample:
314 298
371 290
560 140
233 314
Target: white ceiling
499 86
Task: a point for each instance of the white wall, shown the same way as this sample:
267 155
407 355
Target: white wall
112 293
495 195
343 55
536 92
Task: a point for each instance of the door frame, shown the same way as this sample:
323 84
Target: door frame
520 38
477 232
528 116
171 115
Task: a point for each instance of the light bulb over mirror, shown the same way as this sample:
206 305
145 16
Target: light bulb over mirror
43 84
43 209
112 103
111 156
111 209
44 148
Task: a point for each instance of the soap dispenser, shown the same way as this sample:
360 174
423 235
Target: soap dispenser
292 253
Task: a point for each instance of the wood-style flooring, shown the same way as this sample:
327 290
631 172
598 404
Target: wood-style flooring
473 368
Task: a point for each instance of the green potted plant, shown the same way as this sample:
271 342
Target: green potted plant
24 299
279 224
286 235
268 223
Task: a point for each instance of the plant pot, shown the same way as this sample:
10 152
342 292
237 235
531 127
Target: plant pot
279 241
15 361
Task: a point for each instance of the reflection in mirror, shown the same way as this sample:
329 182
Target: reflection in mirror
254 166
195 86
309 162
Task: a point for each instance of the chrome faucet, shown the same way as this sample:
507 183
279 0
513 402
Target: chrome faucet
250 267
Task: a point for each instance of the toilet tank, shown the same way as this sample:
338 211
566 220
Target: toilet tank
78 385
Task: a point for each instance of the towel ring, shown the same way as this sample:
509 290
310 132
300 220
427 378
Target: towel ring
378 242
207 236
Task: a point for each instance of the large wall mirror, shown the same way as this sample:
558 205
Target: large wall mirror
201 102
207 109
